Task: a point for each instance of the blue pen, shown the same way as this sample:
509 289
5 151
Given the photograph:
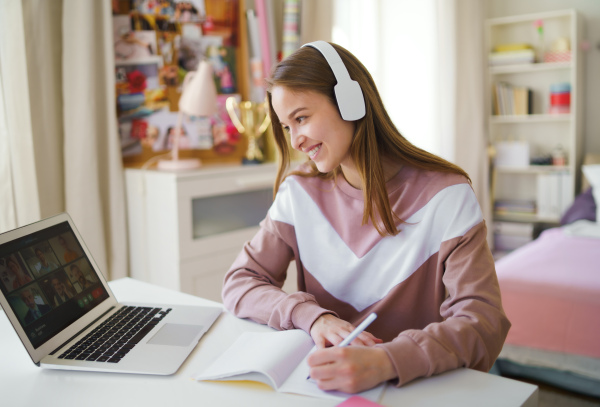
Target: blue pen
357 331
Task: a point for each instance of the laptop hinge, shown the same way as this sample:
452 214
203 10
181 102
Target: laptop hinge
79 333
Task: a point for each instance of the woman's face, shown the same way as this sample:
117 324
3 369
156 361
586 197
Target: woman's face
315 128
14 267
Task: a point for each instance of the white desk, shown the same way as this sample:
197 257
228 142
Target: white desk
24 384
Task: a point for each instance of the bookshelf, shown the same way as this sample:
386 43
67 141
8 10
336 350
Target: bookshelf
548 133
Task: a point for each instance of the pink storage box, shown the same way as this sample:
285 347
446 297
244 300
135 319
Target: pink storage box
557 56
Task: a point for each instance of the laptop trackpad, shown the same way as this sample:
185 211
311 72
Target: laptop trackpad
176 334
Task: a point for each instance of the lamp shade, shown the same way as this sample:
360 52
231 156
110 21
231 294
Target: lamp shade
199 93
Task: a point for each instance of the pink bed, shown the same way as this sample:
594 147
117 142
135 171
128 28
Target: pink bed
551 294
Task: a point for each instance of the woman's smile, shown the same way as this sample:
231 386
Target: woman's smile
316 128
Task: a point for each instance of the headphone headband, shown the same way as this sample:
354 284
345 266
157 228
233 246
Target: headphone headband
348 93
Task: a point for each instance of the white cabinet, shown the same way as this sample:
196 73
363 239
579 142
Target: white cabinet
186 229
543 130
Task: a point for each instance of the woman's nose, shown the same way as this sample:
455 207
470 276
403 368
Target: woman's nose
296 140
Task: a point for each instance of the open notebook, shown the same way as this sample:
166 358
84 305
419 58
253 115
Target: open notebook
277 359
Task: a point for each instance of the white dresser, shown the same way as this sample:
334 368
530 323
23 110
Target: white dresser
186 228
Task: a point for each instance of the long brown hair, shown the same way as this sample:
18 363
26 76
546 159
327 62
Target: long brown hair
375 136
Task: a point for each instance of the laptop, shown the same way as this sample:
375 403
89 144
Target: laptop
65 314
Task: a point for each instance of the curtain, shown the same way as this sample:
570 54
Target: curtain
427 60
461 83
59 147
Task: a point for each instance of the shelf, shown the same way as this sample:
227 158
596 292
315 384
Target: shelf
533 169
550 188
535 67
530 118
526 218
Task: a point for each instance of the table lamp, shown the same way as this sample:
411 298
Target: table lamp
198 98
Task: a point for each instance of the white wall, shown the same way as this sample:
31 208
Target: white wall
589 10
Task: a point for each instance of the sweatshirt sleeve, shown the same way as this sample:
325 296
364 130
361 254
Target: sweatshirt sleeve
252 286
473 326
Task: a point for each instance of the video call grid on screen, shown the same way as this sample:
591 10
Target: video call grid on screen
48 281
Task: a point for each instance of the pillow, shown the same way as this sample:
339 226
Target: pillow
583 207
592 174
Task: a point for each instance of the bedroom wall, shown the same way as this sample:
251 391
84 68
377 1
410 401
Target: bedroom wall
590 11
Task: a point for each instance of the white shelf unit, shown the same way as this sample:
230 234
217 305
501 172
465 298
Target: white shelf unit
187 228
541 130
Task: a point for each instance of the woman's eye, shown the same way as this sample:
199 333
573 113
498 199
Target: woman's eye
286 129
300 119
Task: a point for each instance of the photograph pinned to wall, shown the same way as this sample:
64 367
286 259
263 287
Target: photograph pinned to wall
194 46
168 45
138 87
175 10
130 45
222 60
222 20
225 134
139 94
160 131
165 8
189 11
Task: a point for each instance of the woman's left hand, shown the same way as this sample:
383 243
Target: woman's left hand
350 369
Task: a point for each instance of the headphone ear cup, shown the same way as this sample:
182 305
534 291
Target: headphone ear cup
350 100
348 93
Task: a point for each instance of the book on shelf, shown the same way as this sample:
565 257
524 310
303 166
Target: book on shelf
509 236
511 100
514 228
267 33
277 359
514 207
554 193
291 26
511 47
523 56
256 60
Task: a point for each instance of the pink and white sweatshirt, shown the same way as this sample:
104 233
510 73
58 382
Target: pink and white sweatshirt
433 286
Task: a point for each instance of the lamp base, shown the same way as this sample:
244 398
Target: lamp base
179 165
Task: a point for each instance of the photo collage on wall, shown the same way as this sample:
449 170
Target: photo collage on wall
156 43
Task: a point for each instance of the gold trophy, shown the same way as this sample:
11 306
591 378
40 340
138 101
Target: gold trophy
251 114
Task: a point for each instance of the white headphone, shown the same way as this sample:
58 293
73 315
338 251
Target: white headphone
348 93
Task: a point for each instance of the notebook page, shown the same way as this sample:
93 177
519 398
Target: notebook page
299 383
272 354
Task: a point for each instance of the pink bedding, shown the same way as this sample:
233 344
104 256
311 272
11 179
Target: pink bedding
551 293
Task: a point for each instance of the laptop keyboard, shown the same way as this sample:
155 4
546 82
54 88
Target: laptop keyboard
115 337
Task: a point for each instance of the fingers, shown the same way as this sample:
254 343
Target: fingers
329 330
350 369
366 339
334 369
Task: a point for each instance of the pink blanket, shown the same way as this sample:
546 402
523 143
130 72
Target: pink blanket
551 293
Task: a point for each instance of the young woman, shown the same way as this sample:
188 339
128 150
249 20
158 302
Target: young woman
19 276
374 224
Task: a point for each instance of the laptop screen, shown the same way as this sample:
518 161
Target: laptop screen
48 281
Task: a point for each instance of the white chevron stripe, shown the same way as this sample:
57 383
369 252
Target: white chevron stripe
364 281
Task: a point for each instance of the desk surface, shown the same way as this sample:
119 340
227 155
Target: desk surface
24 384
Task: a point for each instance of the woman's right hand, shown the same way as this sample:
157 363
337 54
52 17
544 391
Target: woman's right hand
328 330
